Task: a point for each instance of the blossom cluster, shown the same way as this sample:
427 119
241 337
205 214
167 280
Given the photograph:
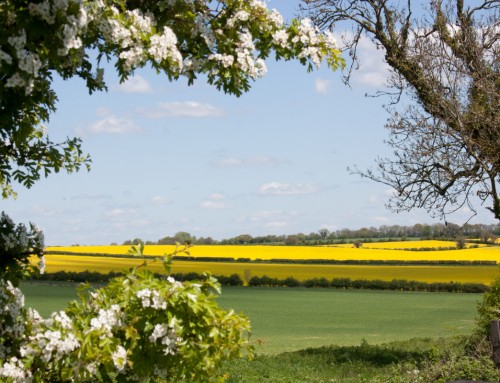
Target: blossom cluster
135 38
137 328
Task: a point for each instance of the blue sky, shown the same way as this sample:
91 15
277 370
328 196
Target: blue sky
168 158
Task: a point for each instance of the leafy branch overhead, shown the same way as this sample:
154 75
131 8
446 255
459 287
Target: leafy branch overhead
445 57
226 42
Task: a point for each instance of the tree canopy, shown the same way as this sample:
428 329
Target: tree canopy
226 42
444 56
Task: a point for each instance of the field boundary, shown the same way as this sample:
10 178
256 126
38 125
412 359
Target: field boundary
291 282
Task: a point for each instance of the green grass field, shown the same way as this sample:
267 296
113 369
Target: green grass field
293 319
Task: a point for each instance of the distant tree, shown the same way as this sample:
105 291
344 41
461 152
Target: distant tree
445 57
137 241
292 240
357 244
243 239
461 243
183 237
324 233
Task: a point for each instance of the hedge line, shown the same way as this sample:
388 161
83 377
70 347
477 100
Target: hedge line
372 284
235 280
96 277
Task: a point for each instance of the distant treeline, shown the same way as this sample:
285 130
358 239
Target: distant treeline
374 262
372 284
235 280
450 231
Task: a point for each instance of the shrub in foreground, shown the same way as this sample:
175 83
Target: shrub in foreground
137 328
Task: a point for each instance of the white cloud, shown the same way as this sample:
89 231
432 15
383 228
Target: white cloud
373 70
190 109
215 201
277 188
322 86
391 193
136 84
114 125
217 196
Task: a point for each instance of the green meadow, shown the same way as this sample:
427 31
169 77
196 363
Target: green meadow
289 319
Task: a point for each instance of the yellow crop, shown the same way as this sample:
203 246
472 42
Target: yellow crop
464 274
414 244
485 253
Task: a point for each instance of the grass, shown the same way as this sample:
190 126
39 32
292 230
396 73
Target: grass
332 336
293 319
362 363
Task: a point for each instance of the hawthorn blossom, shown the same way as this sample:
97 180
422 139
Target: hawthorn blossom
106 319
15 370
120 358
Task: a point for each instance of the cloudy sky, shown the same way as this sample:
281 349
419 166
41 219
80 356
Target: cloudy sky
168 157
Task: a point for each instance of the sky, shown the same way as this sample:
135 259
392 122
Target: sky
168 157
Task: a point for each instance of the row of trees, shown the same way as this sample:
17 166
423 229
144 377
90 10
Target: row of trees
485 233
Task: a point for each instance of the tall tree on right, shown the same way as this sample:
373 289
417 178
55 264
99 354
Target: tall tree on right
444 55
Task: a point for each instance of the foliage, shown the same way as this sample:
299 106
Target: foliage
370 284
138 328
416 360
411 361
489 308
444 56
224 41
17 243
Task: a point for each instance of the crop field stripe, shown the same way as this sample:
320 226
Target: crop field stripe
462 274
490 253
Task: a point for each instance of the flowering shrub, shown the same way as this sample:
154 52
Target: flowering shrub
17 243
138 328
226 41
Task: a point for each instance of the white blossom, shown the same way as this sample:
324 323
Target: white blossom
120 358
164 47
55 344
313 54
62 318
132 58
106 319
225 60
18 42
42 10
330 40
281 38
167 336
276 18
14 369
5 57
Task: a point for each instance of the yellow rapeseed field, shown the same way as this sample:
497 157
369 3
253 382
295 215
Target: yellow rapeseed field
369 251
366 252
463 274
413 244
